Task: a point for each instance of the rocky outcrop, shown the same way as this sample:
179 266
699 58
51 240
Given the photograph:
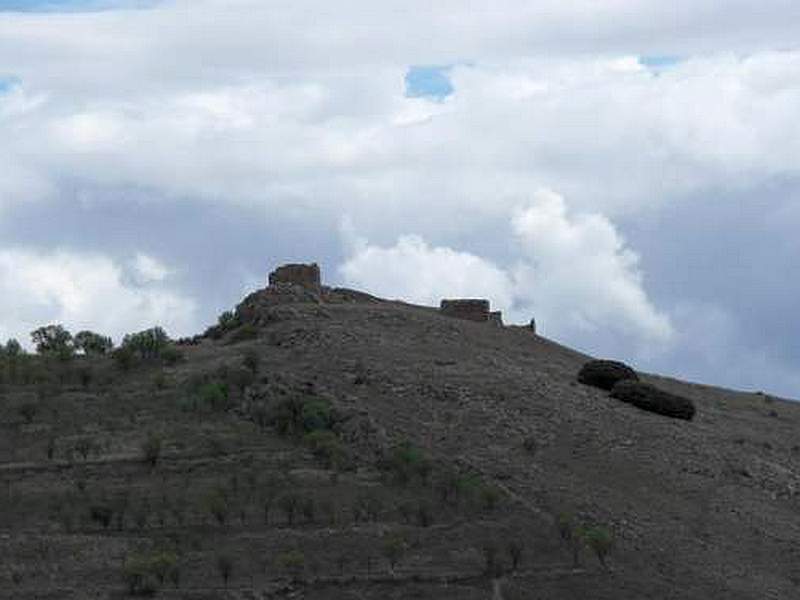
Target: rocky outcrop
650 398
604 374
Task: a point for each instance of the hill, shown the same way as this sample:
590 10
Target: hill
324 443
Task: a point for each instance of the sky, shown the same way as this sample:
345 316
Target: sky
627 172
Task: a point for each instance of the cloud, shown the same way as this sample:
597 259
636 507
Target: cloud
148 269
579 276
414 271
82 292
574 273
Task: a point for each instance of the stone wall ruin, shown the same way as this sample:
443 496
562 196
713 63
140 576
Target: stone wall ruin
307 276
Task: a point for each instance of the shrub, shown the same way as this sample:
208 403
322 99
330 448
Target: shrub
28 411
124 358
214 395
571 534
316 415
293 562
296 416
151 449
489 496
650 398
144 572
393 548
605 373
600 540
406 461
327 448
289 503
491 558
171 356
216 503
84 447
101 514
251 360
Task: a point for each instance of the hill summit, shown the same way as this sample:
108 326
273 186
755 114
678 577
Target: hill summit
325 443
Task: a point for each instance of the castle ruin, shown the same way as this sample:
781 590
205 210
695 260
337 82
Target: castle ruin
471 309
307 276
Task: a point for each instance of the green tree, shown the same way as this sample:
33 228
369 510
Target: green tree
148 344
91 343
53 340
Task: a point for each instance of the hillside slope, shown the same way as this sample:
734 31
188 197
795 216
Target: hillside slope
499 440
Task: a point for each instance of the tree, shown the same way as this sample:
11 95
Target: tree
600 540
148 344
91 343
53 340
13 348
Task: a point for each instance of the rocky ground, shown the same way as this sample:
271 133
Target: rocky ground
446 449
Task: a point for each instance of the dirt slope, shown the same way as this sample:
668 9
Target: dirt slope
701 509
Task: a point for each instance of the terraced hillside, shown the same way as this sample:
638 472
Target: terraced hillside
360 448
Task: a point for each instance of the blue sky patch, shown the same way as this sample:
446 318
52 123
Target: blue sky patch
6 83
659 62
428 81
71 5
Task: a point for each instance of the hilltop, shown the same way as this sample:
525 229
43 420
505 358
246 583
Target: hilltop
325 443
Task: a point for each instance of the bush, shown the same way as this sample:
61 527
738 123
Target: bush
407 461
216 503
327 448
145 572
84 447
293 562
650 398
297 416
28 411
393 548
101 514
604 374
251 360
214 395
600 540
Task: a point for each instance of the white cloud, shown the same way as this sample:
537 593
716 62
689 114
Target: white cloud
413 271
148 269
579 276
82 291
574 273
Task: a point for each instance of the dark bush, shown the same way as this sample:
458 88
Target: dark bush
605 373
650 398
